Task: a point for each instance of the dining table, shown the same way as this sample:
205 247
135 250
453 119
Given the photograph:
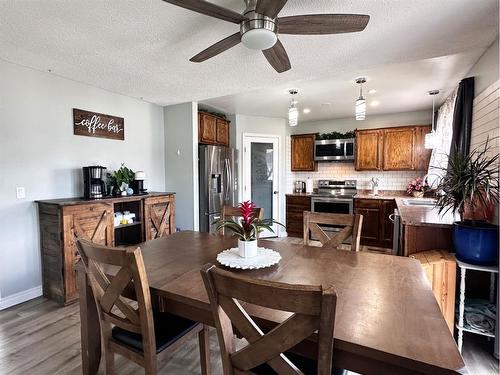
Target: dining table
387 318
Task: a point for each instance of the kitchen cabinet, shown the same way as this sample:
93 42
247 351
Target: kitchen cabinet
377 229
392 149
295 207
61 220
398 146
368 150
213 130
303 153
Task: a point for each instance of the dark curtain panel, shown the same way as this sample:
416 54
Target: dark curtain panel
462 117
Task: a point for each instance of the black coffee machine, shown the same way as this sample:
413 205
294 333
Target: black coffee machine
93 182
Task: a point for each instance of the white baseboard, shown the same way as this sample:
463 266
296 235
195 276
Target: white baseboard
20 297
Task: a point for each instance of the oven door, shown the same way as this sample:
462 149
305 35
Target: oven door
332 206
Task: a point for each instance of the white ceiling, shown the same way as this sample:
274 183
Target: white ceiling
141 48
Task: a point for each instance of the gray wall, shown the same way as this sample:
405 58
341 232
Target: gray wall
39 151
181 161
372 121
486 69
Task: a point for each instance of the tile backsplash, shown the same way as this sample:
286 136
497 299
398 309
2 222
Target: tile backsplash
345 171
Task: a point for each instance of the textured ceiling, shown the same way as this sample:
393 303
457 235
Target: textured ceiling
141 48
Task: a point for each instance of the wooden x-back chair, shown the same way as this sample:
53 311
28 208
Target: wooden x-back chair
230 211
351 227
313 309
137 333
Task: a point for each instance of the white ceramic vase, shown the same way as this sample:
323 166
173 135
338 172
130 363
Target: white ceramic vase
247 249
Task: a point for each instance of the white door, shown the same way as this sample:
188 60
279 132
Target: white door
261 175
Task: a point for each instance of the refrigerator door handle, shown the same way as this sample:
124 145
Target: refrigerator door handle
228 181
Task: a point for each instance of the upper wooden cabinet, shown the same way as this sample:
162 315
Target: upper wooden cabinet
212 130
303 153
398 149
392 149
368 150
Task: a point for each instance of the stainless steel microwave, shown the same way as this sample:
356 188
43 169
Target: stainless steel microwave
334 150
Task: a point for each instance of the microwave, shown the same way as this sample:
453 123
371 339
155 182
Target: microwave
334 149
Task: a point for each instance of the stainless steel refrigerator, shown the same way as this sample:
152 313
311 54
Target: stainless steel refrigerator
218 179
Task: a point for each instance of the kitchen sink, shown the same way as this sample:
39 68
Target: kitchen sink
419 202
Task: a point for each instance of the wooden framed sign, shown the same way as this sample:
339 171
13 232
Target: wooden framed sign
94 124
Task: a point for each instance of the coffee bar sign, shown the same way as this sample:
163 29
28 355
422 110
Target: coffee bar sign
93 124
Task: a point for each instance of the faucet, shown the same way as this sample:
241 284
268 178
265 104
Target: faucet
375 181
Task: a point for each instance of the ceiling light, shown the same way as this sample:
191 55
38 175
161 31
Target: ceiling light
432 138
360 108
372 91
306 111
374 103
293 113
259 39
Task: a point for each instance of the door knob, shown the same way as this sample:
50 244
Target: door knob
275 192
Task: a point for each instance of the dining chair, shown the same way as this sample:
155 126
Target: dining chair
231 211
130 326
350 227
312 308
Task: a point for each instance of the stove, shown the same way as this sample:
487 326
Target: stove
335 188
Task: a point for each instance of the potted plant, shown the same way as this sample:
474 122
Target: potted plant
418 187
246 228
469 187
120 179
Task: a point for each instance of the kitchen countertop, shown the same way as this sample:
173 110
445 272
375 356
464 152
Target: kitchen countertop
382 194
76 201
424 215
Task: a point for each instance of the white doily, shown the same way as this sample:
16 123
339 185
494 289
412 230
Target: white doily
264 258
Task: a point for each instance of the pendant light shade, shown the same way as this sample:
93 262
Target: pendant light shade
360 108
293 113
431 139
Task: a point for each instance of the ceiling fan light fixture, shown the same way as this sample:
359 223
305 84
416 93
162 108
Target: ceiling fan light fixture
259 39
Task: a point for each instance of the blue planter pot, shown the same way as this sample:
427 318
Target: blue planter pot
476 244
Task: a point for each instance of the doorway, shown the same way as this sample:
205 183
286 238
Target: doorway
261 175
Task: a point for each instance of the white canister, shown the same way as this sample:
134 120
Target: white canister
309 185
247 249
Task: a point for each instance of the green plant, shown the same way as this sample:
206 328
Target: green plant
121 176
469 181
248 226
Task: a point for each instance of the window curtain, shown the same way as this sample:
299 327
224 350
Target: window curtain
444 130
462 117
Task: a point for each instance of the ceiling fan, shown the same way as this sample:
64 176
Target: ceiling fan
260 26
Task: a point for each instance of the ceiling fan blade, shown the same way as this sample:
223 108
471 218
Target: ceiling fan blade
217 48
209 9
316 24
278 57
270 8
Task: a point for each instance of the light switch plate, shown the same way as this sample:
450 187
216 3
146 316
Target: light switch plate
20 192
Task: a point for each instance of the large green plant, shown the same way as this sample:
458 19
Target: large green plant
469 181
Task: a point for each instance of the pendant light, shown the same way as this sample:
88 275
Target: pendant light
360 108
432 138
293 113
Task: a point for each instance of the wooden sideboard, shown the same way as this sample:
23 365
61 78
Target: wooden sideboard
61 220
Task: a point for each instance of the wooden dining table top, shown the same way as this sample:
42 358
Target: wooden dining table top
386 312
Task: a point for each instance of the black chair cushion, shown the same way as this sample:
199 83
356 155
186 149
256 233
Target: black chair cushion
306 365
168 329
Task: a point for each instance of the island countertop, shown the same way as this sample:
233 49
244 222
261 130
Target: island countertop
424 215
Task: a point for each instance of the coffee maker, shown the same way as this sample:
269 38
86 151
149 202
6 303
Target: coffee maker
138 183
93 182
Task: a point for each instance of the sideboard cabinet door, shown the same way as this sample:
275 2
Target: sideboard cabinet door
159 216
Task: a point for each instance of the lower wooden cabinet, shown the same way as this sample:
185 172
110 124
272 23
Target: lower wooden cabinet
377 228
61 220
295 207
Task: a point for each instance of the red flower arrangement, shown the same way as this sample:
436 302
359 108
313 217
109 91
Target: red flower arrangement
247 227
419 185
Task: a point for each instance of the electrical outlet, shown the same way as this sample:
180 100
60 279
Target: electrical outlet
20 192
